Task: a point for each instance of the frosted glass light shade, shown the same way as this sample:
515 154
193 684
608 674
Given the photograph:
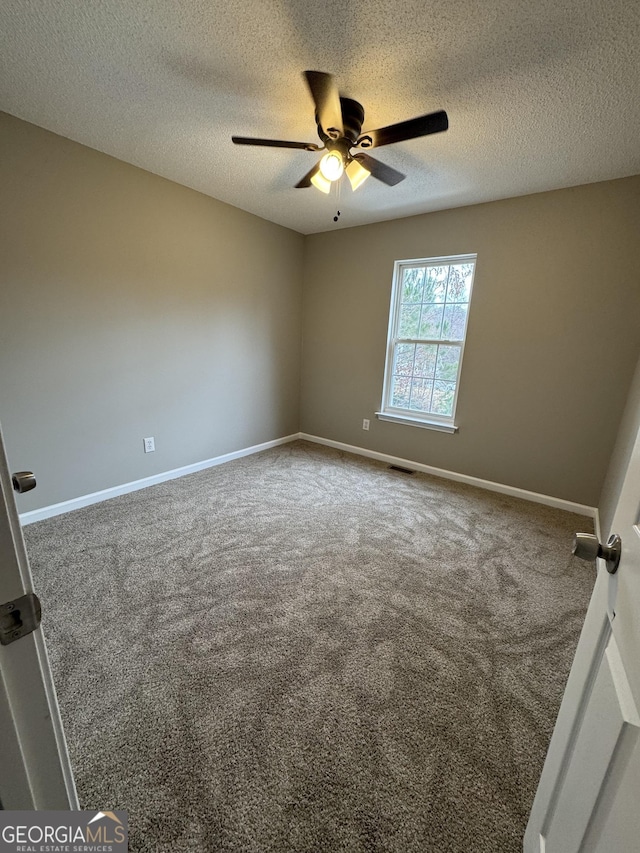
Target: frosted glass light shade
357 174
321 183
332 165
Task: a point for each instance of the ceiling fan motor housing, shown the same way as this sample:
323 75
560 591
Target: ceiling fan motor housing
352 118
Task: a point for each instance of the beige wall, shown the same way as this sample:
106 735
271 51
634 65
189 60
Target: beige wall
132 307
553 337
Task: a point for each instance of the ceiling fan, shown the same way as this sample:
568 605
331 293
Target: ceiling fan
339 123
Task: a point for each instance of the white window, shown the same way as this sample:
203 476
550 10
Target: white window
427 327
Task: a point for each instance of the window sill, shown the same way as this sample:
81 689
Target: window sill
418 422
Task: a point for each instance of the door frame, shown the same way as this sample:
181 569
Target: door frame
36 770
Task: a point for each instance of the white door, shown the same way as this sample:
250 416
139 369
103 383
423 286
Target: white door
35 772
588 798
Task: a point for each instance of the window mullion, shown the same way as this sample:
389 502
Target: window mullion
448 341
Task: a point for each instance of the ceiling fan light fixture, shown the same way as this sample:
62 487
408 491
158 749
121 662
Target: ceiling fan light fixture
320 182
357 174
339 120
332 165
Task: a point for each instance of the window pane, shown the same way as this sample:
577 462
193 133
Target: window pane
404 359
436 285
448 358
409 321
413 285
431 321
425 363
459 289
421 395
455 318
442 400
401 391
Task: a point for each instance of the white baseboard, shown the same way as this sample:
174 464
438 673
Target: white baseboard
547 500
125 488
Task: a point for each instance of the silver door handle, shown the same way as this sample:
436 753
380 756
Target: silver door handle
587 547
23 481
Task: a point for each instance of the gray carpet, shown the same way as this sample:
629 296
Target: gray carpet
305 651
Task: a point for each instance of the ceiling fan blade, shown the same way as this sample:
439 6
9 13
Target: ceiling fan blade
379 170
411 129
327 100
306 181
274 143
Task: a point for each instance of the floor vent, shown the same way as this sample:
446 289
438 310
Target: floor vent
401 469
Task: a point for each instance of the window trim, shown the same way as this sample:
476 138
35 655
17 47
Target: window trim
418 422
443 423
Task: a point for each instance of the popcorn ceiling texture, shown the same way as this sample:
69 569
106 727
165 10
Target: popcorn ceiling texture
539 95
304 651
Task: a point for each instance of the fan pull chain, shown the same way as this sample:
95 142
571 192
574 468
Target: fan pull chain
338 186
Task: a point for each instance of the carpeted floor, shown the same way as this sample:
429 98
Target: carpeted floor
305 651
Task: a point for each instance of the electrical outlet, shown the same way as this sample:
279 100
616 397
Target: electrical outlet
365 423
149 444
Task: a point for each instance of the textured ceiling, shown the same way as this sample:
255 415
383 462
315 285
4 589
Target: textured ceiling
539 95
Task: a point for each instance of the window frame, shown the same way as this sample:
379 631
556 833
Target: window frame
444 423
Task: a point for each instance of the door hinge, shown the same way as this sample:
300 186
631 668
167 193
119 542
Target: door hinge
19 617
